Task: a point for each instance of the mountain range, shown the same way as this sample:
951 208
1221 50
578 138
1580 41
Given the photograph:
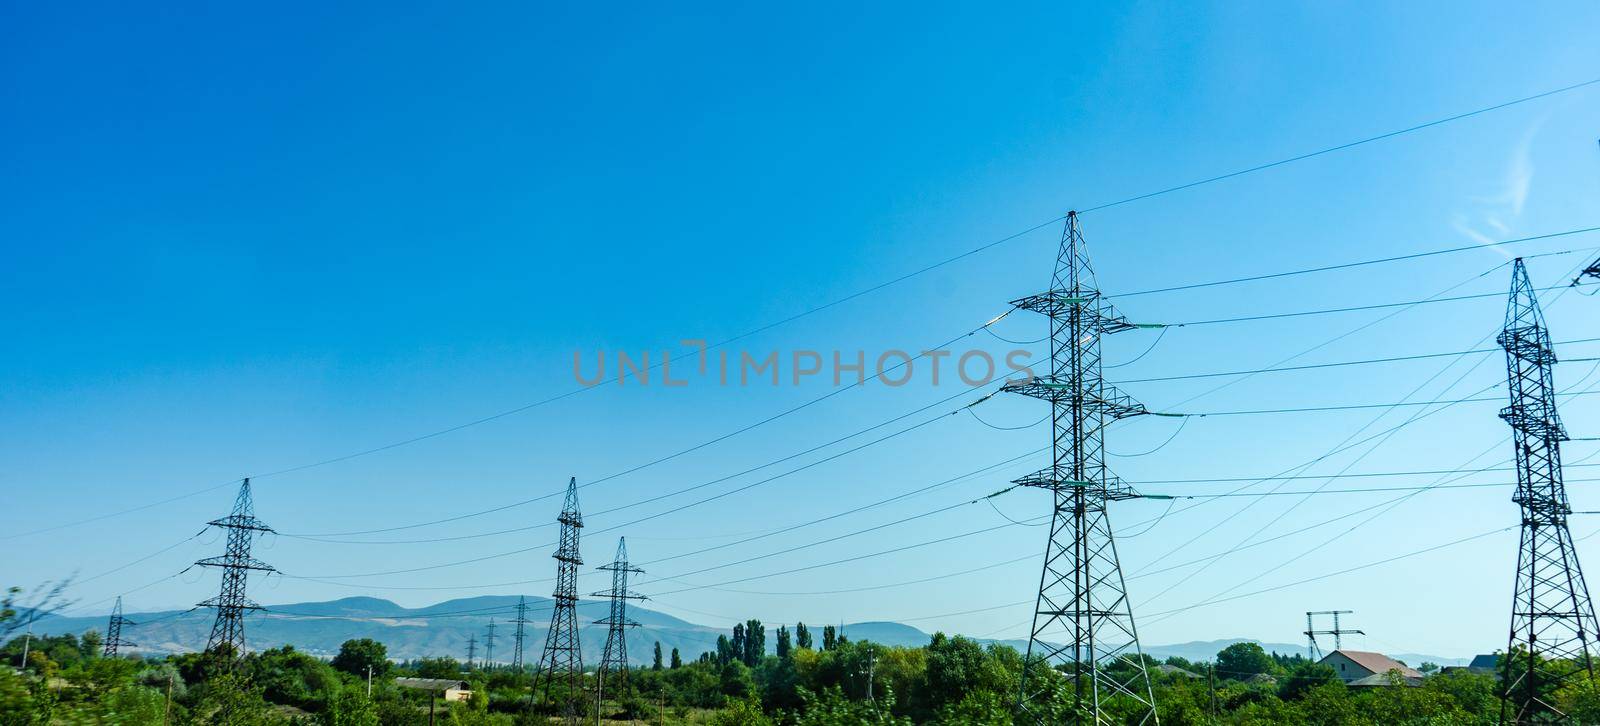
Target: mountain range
443 629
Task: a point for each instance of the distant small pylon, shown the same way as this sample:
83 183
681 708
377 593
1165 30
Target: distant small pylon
615 659
488 646
114 639
516 638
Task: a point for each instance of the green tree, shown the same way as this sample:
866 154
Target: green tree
356 656
783 642
1305 677
1243 660
91 645
755 642
655 663
802 636
677 661
445 667
350 708
830 637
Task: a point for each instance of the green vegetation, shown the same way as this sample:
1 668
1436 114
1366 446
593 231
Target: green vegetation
951 680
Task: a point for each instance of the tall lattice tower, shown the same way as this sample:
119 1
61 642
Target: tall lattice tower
1593 270
615 659
1083 622
231 604
488 646
1552 618
114 639
562 659
516 637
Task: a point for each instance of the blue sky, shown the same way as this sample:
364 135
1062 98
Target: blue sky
237 243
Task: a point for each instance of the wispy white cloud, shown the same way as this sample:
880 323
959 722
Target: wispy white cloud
1499 212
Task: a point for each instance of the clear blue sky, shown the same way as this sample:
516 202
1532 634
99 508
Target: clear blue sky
241 241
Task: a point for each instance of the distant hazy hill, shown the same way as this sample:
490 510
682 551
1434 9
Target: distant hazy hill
443 629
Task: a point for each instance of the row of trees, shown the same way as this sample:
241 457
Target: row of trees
951 680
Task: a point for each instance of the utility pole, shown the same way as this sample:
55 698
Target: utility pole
369 683
869 672
227 642
516 637
472 650
488 646
562 659
27 641
1082 621
1312 651
615 658
114 639
1552 617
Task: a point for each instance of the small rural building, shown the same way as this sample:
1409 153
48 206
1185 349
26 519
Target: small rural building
1356 665
449 688
1385 680
1174 670
1484 663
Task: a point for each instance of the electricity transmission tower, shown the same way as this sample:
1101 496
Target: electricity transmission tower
562 659
488 646
227 632
615 658
1082 620
472 650
114 631
1593 270
516 638
1312 651
1552 619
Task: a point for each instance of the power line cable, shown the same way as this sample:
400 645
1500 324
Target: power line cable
658 514
1363 263
1340 364
1340 147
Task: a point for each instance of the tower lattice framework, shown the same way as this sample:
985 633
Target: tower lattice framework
562 660
1552 618
1083 626
517 635
114 639
227 631
615 659
488 646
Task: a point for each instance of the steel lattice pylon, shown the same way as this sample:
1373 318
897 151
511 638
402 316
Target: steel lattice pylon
615 659
227 632
562 659
114 639
516 638
1083 621
1552 618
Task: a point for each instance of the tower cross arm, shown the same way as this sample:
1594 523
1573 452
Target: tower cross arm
242 563
1110 402
1114 488
241 521
1099 315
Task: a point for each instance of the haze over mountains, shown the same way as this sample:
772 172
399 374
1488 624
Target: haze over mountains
443 629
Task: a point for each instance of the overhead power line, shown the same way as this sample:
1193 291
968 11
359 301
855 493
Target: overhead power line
874 288
1340 364
1352 309
1341 147
1362 263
